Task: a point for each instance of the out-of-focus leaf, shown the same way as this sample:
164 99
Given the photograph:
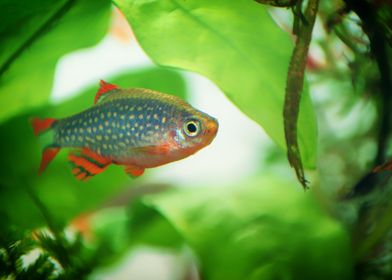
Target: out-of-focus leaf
237 45
28 81
262 230
117 231
62 194
148 227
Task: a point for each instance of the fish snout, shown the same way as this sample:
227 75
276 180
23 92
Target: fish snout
212 126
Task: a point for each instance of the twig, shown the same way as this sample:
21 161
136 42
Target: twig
294 85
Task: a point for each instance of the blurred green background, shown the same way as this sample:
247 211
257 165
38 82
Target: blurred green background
233 211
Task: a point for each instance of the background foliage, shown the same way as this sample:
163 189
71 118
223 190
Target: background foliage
260 228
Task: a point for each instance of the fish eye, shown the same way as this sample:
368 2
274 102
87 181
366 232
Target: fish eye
192 128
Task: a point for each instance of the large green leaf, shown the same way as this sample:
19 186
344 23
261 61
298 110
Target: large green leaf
237 45
61 193
27 82
264 229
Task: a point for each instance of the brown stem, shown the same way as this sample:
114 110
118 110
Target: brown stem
294 85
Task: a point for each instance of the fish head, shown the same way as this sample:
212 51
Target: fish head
194 130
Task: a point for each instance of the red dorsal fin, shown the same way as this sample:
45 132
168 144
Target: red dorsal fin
41 125
47 155
103 89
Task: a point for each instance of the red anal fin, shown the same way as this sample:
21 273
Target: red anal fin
103 89
87 153
41 125
87 164
47 156
134 171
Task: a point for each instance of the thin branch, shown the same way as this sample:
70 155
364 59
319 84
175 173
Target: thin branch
294 85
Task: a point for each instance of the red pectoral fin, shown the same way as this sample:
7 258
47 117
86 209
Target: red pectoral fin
103 89
154 150
134 171
86 164
47 156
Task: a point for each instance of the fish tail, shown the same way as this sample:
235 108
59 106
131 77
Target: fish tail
41 125
43 129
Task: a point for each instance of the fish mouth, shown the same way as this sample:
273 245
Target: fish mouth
212 127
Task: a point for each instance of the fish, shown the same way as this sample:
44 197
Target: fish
135 128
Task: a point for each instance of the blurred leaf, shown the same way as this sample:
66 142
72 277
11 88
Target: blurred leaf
237 45
148 227
28 81
262 230
60 192
117 231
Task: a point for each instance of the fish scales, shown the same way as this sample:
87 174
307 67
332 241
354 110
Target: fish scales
137 128
116 125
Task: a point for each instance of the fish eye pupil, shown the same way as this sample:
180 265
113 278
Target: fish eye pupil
191 127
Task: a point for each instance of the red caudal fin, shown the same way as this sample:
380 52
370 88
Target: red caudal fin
103 89
47 156
41 125
42 128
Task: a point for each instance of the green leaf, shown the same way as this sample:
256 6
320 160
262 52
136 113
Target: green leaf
60 192
264 229
117 231
53 29
237 45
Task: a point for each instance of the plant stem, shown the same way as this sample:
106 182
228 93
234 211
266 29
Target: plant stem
294 85
378 46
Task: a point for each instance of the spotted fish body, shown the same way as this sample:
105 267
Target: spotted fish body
137 128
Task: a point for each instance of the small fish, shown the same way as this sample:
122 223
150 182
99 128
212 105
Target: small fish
136 128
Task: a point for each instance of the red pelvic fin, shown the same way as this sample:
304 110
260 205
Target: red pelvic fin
103 89
47 156
41 125
134 171
87 164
